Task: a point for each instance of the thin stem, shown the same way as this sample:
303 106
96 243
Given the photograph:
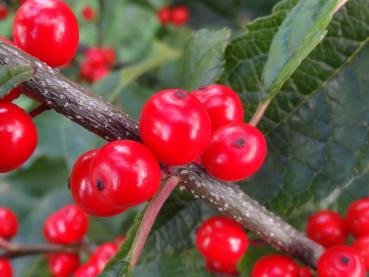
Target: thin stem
259 112
149 218
38 110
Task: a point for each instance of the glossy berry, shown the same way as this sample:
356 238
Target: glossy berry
88 269
48 30
18 136
88 13
275 266
11 95
343 261
180 15
326 228
235 152
63 264
8 224
164 15
361 245
3 12
304 272
223 104
125 173
83 192
221 239
175 126
221 267
357 217
6 269
67 225
103 254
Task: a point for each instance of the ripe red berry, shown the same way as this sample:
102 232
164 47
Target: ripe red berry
235 152
221 267
164 15
87 270
6 269
12 95
175 126
18 136
180 15
361 245
125 173
221 239
103 254
48 30
3 12
357 217
304 272
327 228
275 266
83 192
67 225
8 224
341 261
63 264
109 55
223 104
88 13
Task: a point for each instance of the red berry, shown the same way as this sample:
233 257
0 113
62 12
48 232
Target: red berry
8 224
18 136
95 56
63 264
12 95
304 272
164 15
87 270
343 261
180 15
103 254
82 190
99 73
275 266
67 225
6 269
221 239
109 55
48 30
125 173
235 152
357 217
221 267
175 126
326 228
361 245
3 12
88 13
223 104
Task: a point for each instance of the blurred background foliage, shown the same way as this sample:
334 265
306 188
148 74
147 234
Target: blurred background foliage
157 57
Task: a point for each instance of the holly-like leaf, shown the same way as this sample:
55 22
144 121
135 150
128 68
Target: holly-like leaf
301 31
11 76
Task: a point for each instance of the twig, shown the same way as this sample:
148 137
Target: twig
49 86
258 115
149 217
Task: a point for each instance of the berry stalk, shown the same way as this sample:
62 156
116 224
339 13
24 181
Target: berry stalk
50 87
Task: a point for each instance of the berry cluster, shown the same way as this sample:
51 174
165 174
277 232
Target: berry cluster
178 15
69 225
8 229
176 127
97 63
48 30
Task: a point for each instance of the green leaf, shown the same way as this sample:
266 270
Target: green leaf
11 76
302 30
203 58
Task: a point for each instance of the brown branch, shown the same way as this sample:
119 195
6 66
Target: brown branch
50 87
12 250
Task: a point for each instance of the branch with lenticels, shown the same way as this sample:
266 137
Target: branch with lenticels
72 100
